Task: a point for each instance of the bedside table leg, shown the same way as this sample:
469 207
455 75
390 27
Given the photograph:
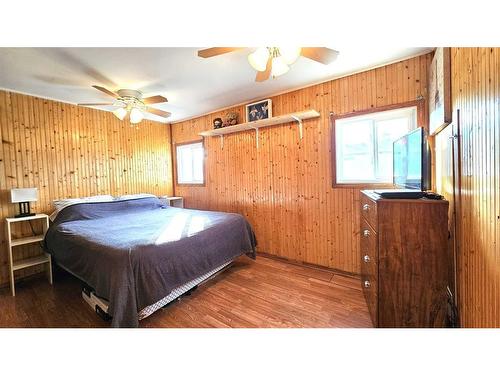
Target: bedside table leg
12 286
11 260
50 269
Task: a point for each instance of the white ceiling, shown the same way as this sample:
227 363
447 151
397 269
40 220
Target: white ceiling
193 85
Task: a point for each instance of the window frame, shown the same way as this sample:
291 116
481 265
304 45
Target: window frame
420 108
189 184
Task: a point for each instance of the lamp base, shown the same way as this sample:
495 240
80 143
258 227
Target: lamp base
25 215
24 210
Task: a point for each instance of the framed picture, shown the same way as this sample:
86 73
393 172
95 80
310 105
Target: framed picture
259 110
440 90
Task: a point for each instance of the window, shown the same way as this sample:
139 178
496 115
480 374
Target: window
363 145
190 157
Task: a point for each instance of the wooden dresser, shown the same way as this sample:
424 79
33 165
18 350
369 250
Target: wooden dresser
404 270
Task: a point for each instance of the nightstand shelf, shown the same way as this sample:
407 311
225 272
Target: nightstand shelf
173 201
44 258
26 240
23 263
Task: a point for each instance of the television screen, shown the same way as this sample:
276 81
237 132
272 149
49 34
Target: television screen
410 161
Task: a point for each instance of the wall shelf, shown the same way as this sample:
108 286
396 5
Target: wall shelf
256 125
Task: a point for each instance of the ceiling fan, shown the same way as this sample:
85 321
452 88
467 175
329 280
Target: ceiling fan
275 61
131 103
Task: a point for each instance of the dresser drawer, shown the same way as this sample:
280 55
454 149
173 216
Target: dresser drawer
370 286
368 247
369 210
369 268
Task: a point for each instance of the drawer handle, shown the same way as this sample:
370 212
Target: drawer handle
366 207
366 259
366 233
367 284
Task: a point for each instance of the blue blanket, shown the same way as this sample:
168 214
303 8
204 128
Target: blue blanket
135 252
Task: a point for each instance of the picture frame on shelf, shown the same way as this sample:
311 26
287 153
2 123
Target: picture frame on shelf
260 110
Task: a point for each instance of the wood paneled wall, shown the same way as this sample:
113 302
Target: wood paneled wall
476 95
284 187
68 151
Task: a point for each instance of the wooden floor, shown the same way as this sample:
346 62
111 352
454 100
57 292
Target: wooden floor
263 293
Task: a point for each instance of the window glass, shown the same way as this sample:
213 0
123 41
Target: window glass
190 163
364 144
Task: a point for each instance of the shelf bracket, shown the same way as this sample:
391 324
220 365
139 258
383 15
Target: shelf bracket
299 123
256 136
221 141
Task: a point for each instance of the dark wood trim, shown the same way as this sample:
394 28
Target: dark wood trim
457 212
172 159
419 103
202 140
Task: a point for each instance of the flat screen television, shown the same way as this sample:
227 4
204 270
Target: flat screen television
411 161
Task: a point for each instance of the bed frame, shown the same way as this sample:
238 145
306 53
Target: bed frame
100 305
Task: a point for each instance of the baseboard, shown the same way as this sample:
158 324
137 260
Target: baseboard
308 265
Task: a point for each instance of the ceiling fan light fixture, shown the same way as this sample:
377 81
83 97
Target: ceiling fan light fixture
258 59
120 113
136 115
290 54
279 66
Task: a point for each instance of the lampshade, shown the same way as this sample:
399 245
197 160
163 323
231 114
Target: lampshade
258 59
136 115
279 66
120 113
290 54
23 195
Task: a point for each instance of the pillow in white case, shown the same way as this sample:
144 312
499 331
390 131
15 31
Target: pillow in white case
134 196
59 204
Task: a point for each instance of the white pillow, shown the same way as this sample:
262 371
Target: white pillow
134 196
59 204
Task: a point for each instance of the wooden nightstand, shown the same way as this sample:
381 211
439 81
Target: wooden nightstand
13 242
173 201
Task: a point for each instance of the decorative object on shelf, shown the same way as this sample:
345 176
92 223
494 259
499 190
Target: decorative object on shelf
259 110
217 123
440 90
231 119
24 197
296 117
131 103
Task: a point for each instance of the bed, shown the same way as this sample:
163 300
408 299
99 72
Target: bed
135 252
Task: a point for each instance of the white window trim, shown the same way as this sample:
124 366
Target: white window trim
178 159
373 117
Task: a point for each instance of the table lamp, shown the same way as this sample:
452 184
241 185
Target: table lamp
24 197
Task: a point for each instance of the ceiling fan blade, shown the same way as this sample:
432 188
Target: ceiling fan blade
158 112
92 104
215 51
106 91
320 54
262 76
154 99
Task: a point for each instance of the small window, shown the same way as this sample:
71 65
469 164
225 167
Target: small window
190 163
363 145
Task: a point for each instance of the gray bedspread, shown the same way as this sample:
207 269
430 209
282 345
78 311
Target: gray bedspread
135 252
